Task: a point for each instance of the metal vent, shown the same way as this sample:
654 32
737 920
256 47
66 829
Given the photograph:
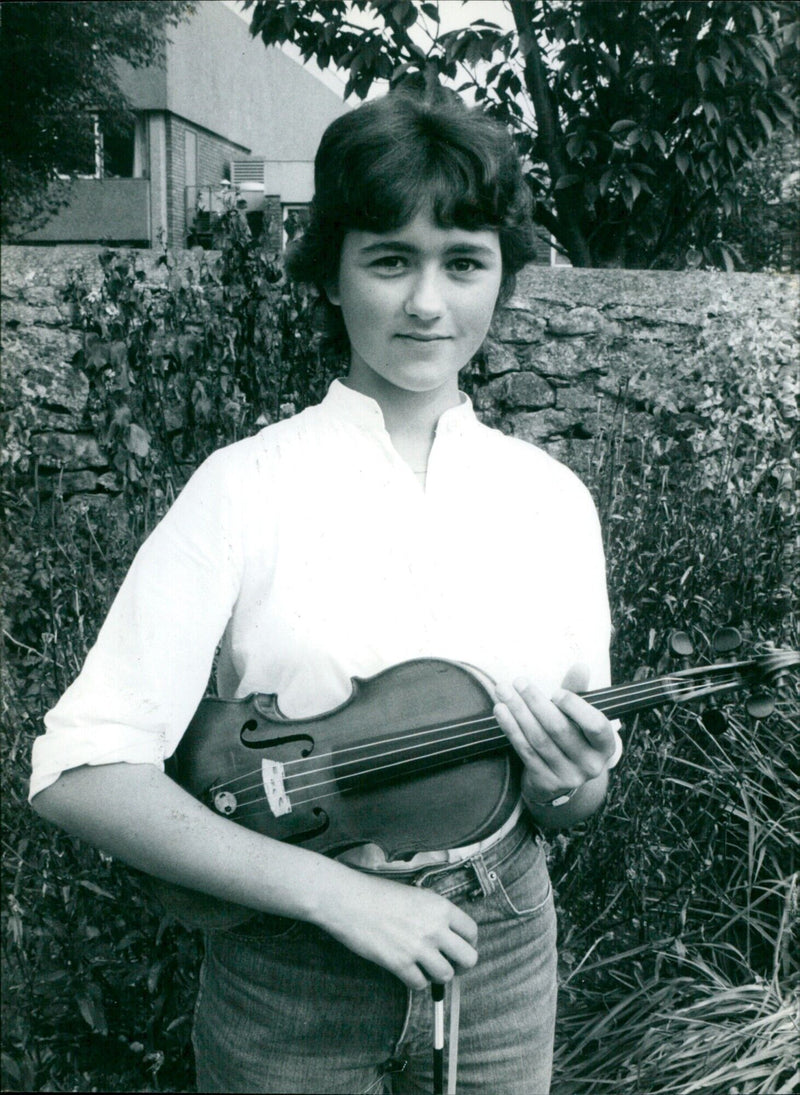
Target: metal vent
244 171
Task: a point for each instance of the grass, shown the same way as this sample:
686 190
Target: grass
677 902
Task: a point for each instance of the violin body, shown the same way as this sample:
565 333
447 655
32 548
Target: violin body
348 791
412 761
383 768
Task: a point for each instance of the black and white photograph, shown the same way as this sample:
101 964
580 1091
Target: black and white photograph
399 469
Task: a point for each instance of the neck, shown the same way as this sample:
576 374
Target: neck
410 417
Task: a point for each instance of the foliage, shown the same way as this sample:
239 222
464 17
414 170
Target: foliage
636 118
223 345
765 231
677 903
59 68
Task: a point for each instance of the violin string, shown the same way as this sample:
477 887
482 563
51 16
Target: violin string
416 759
327 794
421 759
681 690
475 725
320 758
438 740
318 762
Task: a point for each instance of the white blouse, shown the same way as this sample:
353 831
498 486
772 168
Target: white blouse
310 554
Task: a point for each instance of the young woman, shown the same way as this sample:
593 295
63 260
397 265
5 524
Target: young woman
384 525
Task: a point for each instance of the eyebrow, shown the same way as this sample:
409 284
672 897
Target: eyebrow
463 248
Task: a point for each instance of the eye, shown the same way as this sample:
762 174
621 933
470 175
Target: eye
465 265
390 264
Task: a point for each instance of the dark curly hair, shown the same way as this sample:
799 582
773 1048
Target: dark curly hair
378 165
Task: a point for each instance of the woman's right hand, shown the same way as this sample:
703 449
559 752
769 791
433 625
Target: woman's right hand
416 934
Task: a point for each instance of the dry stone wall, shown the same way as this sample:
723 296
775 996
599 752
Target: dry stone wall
570 354
576 350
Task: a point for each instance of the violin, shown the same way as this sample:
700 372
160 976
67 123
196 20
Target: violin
412 761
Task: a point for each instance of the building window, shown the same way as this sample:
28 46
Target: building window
81 153
557 256
102 152
118 151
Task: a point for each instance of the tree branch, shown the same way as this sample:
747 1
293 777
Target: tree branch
567 204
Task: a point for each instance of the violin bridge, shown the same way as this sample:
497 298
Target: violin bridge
272 776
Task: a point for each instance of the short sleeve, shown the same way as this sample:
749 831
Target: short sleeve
150 665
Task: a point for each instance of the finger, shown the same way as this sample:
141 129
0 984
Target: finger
576 679
561 743
593 722
436 968
414 977
463 924
520 712
461 954
595 728
519 742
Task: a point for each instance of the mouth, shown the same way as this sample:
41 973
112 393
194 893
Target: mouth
424 338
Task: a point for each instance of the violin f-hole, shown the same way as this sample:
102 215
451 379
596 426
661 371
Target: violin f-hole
257 736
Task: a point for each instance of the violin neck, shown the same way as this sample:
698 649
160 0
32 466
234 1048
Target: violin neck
675 688
442 746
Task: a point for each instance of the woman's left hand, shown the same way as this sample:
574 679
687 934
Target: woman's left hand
563 741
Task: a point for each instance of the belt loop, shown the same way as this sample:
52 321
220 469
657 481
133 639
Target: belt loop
486 879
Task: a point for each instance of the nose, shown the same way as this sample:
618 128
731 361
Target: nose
424 298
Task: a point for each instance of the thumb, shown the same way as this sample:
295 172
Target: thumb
576 678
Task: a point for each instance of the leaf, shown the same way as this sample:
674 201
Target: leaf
91 885
566 181
97 354
153 975
431 10
574 145
118 354
90 1005
605 180
766 124
719 69
682 162
711 112
404 13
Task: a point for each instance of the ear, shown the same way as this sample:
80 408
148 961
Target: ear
332 293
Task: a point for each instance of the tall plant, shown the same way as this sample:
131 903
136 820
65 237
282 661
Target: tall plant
223 345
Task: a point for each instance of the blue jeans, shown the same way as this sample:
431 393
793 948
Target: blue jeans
283 1007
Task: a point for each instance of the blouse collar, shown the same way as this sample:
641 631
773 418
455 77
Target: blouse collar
362 410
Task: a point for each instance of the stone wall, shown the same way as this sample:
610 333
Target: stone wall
573 350
570 352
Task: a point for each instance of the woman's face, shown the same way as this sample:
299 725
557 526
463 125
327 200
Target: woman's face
417 302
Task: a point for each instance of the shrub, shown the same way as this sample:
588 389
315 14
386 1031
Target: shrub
678 901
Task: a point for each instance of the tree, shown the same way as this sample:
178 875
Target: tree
635 118
58 71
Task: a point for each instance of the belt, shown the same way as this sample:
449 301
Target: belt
369 857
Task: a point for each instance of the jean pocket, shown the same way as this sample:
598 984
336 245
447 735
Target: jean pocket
265 929
524 893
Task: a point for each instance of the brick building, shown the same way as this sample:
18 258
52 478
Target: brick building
221 112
